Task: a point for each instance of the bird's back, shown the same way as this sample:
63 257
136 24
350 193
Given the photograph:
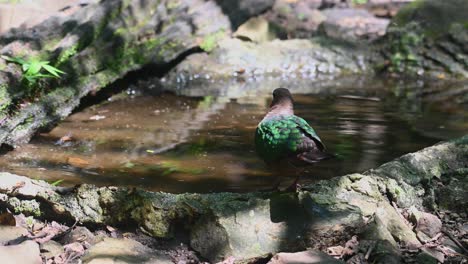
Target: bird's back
282 137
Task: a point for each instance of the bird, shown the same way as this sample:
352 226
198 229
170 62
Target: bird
283 139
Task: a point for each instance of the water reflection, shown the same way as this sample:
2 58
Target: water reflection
203 141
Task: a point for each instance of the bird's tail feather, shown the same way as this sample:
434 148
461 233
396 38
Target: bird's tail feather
315 156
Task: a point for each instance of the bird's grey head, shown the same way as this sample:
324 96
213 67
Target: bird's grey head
281 96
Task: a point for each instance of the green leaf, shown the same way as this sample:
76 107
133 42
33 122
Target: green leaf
15 60
34 68
57 182
52 70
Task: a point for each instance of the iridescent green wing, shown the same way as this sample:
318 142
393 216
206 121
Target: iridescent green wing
308 131
280 137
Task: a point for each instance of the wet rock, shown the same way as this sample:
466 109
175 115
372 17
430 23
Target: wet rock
51 249
256 29
310 256
353 25
10 233
24 253
113 250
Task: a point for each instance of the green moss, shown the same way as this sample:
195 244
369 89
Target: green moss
434 16
172 4
25 124
5 99
28 207
403 49
66 54
211 40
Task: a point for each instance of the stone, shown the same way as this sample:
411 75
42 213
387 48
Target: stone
353 25
9 233
51 249
113 250
24 253
426 223
309 256
389 219
256 29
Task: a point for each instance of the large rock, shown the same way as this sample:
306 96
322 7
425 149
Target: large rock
353 25
233 58
94 47
429 37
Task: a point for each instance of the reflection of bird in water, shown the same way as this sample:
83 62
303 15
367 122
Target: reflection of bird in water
284 140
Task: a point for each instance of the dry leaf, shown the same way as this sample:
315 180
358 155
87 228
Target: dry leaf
77 162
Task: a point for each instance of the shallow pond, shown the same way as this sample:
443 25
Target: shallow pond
199 138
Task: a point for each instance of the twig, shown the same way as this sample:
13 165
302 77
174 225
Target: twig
436 237
60 235
455 240
369 251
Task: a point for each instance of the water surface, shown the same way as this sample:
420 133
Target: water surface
200 138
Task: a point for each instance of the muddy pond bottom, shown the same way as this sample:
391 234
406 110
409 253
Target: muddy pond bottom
200 138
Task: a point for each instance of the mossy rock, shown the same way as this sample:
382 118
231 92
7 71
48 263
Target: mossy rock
434 16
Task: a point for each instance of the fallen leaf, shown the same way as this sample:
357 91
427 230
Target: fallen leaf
74 247
77 162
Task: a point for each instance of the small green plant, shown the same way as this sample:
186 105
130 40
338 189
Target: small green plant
34 69
210 41
359 2
57 182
